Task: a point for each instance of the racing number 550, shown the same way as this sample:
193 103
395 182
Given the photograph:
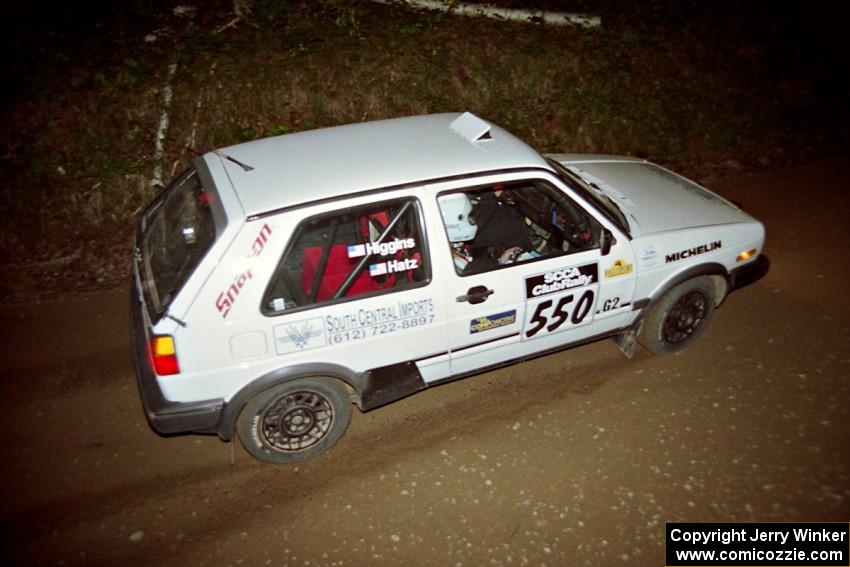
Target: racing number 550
561 314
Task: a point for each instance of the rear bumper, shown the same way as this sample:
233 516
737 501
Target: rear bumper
749 273
166 416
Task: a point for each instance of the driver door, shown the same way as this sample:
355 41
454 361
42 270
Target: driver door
561 291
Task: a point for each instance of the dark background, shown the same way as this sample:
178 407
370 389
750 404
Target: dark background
710 88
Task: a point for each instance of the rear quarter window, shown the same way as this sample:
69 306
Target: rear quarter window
349 253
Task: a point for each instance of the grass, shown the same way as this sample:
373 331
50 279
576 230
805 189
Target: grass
78 145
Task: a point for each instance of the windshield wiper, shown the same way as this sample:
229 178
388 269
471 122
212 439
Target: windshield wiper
175 319
598 190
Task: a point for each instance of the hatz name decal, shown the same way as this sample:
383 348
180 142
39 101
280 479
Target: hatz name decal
393 266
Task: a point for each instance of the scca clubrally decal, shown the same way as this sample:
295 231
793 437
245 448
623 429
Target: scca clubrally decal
561 279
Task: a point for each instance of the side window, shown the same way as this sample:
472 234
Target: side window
348 253
499 225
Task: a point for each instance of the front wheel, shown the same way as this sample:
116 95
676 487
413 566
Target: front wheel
294 421
679 317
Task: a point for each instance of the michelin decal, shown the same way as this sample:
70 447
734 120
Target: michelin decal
695 251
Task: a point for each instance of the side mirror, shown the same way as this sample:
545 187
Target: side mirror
606 239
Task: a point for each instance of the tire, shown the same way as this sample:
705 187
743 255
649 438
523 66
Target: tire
679 317
294 421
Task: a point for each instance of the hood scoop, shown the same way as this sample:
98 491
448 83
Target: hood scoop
471 128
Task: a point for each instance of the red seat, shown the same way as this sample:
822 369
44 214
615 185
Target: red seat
338 267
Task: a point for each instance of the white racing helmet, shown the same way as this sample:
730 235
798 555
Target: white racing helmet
455 209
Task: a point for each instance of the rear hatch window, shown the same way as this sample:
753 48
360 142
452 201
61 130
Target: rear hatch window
176 232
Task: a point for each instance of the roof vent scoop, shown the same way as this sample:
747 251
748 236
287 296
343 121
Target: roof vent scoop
471 128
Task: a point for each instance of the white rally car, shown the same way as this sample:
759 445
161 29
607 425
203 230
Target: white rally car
277 281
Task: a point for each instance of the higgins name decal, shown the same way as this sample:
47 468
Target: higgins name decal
695 251
381 249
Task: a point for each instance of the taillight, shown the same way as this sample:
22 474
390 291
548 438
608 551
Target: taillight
164 355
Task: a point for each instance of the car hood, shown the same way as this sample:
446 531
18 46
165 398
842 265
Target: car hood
652 198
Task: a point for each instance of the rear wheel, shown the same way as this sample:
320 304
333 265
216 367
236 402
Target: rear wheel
294 421
679 317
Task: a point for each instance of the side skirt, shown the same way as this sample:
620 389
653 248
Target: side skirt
396 381
546 352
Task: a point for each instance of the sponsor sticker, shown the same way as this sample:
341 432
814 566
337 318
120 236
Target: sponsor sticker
346 326
560 299
227 298
260 242
393 266
381 248
300 335
695 251
561 279
618 268
649 255
488 322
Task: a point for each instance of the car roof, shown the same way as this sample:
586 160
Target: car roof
316 165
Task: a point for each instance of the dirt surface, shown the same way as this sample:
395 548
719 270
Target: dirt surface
577 458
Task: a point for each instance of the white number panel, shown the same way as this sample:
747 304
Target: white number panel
560 299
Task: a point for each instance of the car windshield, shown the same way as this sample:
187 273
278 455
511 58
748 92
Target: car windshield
594 195
178 231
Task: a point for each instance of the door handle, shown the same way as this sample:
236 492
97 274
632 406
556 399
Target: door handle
476 294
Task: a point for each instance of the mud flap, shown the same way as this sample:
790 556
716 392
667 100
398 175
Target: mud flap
626 341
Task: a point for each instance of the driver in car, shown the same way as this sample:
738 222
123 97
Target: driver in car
502 235
486 236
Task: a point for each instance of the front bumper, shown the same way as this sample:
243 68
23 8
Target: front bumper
749 273
165 416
